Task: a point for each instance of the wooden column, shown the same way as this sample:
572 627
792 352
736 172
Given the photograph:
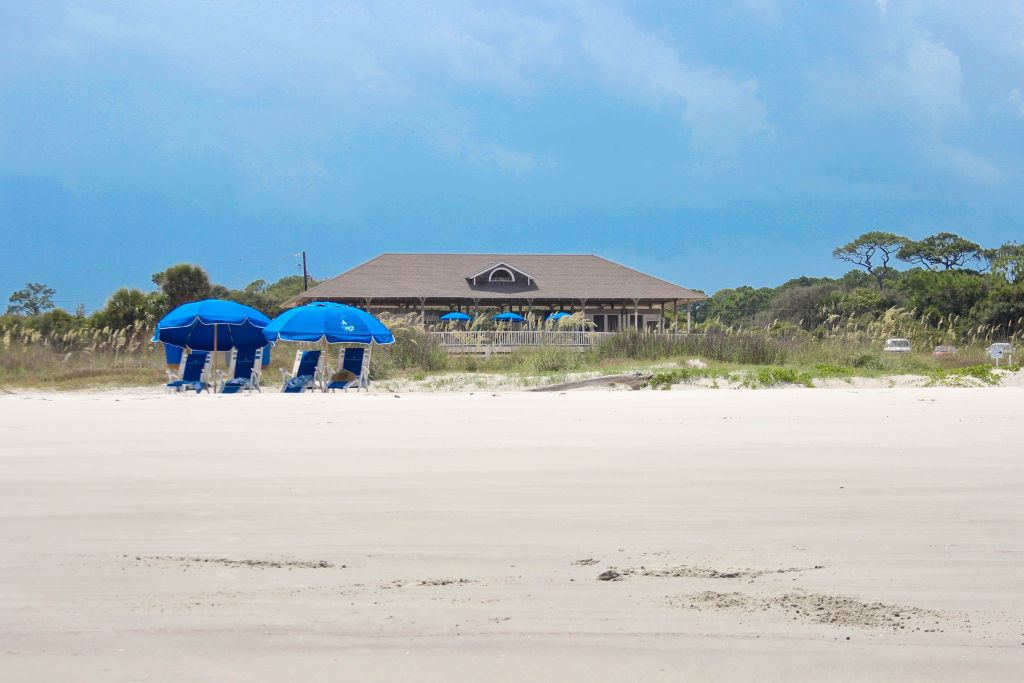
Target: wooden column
636 314
675 315
529 314
423 313
689 304
661 319
583 315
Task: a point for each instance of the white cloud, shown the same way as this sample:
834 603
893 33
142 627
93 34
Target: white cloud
767 12
406 58
933 81
915 77
964 163
1017 100
721 111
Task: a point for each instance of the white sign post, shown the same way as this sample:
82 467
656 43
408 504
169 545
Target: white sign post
996 352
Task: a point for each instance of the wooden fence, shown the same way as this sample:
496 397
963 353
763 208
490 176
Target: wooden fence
498 341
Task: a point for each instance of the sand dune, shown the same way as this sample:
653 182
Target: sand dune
851 534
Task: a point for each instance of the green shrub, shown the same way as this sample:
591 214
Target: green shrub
958 377
772 376
554 359
830 370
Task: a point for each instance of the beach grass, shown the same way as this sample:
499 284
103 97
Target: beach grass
755 357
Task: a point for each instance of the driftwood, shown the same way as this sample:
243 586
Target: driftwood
633 380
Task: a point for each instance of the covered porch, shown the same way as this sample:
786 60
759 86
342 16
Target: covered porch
600 316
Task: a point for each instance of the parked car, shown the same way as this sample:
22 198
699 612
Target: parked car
897 345
944 350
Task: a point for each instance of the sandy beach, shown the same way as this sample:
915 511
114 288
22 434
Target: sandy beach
784 534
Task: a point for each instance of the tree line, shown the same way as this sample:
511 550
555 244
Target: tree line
951 281
130 307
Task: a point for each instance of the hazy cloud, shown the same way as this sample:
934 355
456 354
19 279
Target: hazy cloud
1017 101
915 77
722 111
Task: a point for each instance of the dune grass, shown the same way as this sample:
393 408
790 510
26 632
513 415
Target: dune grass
768 356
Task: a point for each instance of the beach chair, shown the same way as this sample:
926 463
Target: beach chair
355 362
304 372
193 373
244 370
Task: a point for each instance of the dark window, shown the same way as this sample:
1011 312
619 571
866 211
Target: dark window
502 275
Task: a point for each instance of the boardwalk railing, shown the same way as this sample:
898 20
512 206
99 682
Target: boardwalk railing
491 338
507 339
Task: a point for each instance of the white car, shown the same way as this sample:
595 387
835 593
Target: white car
897 345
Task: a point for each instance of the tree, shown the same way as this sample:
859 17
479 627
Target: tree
1008 261
945 293
871 248
183 283
125 307
32 300
865 300
1003 308
945 249
806 306
733 305
54 323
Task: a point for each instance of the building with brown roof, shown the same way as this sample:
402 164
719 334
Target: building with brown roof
612 296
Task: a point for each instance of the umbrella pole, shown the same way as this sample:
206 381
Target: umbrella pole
323 377
213 369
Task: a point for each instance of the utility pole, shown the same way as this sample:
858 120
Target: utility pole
305 274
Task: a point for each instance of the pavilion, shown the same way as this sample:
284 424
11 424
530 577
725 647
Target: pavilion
611 296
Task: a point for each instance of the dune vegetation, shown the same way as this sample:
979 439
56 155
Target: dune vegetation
804 329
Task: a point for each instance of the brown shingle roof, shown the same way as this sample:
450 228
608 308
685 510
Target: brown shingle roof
557 276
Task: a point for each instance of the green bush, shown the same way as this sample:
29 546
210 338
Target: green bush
956 377
830 370
772 376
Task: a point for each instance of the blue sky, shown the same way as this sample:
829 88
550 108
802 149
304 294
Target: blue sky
711 144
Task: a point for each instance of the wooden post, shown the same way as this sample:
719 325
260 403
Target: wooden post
529 314
661 319
675 315
423 313
636 314
213 367
323 374
688 305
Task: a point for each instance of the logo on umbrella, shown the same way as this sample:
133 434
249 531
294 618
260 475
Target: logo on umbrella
345 325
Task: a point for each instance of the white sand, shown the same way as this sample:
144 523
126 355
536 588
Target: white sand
453 527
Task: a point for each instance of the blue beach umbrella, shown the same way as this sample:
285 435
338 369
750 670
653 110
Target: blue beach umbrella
329 322
507 317
456 316
558 315
212 325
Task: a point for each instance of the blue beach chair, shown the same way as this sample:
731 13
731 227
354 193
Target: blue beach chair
193 373
244 371
357 361
304 372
